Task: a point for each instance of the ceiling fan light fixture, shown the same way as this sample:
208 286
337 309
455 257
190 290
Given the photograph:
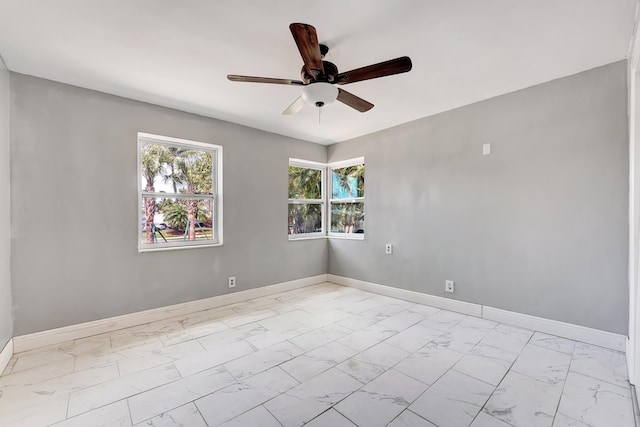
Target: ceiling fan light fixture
319 93
317 73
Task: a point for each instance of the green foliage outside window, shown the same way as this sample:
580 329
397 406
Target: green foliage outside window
347 216
180 171
305 184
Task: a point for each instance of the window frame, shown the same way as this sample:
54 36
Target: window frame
330 200
215 196
307 164
326 201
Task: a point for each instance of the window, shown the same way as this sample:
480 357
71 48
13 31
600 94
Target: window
179 193
346 204
306 199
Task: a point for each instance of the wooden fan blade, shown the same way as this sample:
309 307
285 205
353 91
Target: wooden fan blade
307 42
387 68
353 101
295 107
250 79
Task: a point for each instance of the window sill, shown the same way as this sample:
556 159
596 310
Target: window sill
347 237
177 248
295 239
332 236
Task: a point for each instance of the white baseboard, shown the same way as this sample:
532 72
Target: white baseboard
417 297
84 330
554 327
5 355
294 284
597 337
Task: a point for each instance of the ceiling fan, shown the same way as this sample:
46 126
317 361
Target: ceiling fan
319 76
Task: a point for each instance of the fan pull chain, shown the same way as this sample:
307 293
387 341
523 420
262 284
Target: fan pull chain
319 115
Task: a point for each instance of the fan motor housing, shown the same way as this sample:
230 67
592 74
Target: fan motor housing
330 72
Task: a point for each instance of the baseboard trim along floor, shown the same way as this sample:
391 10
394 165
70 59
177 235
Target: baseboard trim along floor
567 330
96 327
597 337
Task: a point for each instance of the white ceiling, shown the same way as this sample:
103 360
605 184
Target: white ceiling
178 53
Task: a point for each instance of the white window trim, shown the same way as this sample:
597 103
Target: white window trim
306 164
344 163
326 201
217 196
338 165
322 201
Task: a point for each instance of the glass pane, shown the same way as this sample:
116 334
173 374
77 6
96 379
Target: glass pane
305 218
175 169
305 183
347 218
176 220
347 183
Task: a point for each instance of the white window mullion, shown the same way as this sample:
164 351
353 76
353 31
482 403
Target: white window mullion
351 200
323 192
305 201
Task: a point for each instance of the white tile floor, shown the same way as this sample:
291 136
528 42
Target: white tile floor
325 355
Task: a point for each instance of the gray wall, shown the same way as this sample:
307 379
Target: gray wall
75 224
538 227
6 317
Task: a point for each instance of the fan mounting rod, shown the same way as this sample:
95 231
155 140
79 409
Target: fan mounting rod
324 49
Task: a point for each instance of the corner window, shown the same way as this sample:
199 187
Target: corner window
306 199
179 193
346 204
321 207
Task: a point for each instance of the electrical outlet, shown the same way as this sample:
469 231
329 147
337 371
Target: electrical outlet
388 249
449 286
232 281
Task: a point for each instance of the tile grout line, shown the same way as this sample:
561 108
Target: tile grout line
503 377
564 383
408 410
634 400
200 414
266 409
129 410
344 415
66 414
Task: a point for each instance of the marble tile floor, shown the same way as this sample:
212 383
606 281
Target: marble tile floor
323 355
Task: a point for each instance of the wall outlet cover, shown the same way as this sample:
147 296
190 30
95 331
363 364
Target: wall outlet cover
449 286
